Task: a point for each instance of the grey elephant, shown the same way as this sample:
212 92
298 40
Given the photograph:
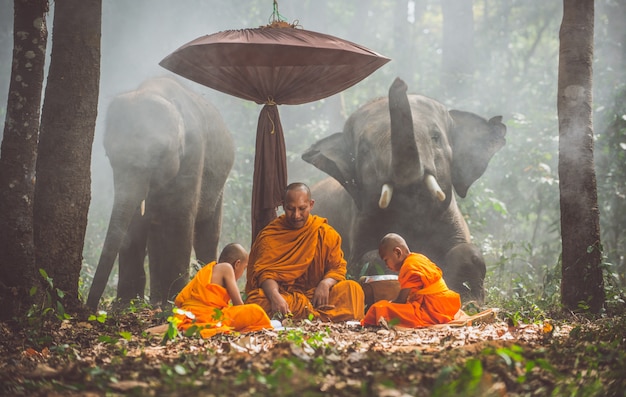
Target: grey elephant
171 154
394 168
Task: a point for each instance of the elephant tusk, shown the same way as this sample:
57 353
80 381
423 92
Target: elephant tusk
434 188
385 196
143 207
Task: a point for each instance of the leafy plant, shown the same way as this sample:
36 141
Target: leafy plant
50 306
100 317
466 384
172 329
300 337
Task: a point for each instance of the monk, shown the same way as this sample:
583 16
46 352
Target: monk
424 298
297 266
204 301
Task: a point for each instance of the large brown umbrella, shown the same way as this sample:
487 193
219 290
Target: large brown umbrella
273 66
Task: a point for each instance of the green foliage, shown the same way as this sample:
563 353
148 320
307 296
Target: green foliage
595 354
48 306
299 337
100 317
120 342
513 357
524 296
286 375
467 383
172 329
193 330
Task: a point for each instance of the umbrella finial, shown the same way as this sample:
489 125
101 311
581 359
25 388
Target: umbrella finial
276 20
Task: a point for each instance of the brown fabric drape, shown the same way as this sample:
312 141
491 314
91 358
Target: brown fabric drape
270 169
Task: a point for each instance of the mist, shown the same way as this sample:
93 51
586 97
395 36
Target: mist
511 209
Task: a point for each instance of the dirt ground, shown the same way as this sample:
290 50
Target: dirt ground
116 356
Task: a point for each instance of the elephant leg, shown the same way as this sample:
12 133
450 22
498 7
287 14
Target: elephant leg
207 234
169 250
132 276
465 272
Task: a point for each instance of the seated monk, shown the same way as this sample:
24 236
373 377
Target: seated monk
424 298
208 294
297 266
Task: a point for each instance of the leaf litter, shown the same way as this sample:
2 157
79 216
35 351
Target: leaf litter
85 358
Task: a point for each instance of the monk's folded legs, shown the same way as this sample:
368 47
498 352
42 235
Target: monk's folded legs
346 300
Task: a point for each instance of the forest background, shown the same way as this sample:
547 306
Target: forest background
510 69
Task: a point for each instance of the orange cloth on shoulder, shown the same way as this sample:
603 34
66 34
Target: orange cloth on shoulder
298 259
210 306
429 301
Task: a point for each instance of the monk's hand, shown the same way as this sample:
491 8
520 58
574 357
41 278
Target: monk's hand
279 305
322 293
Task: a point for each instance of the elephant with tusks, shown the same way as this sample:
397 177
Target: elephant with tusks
395 168
171 154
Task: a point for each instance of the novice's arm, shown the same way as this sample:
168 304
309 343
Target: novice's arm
226 275
231 286
402 296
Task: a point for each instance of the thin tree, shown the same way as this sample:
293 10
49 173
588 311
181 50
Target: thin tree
18 156
582 284
63 187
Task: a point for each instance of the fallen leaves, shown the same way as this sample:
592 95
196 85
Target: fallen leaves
305 357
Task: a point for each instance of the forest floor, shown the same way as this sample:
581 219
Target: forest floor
111 355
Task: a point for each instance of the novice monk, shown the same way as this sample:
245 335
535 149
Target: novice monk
424 297
297 266
208 293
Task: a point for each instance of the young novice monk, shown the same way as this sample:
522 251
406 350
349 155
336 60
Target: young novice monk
424 297
208 294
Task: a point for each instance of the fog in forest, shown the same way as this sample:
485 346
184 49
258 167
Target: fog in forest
512 210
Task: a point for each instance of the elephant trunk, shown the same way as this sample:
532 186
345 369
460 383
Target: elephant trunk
405 160
123 209
406 166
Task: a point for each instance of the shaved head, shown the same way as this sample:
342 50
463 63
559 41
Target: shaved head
391 241
297 187
232 253
297 204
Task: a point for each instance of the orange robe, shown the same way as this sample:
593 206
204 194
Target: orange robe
298 259
209 303
429 301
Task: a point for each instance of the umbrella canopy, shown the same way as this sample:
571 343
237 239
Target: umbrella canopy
273 66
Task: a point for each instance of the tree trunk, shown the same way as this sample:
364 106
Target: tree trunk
18 156
63 188
582 285
457 65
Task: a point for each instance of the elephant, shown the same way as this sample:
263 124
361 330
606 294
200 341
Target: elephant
171 153
393 169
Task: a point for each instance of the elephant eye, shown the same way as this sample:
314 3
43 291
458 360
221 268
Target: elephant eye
435 136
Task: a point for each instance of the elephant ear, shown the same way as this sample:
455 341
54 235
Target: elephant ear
474 141
333 156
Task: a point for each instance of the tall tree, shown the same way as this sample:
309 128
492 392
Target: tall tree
582 280
18 156
63 187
